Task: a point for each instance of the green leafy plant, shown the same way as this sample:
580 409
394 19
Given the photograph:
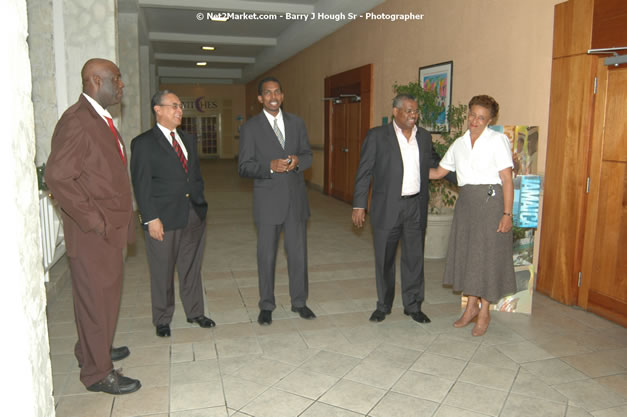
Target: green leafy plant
443 193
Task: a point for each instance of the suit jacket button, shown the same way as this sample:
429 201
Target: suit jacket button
187 195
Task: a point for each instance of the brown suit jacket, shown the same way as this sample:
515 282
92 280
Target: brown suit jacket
89 179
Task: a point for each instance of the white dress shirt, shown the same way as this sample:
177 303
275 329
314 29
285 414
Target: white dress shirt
481 163
102 112
167 131
279 121
411 160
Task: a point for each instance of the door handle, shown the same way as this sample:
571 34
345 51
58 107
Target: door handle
345 150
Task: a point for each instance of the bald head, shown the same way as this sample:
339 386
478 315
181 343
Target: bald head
102 81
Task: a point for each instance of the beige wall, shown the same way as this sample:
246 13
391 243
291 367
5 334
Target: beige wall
498 47
225 94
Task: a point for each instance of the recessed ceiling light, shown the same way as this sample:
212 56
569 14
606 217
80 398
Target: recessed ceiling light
208 48
201 64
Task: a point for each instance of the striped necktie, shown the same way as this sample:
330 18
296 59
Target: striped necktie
278 134
179 151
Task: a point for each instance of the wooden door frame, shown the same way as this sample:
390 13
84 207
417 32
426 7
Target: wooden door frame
355 81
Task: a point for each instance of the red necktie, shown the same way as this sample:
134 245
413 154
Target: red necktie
179 151
117 139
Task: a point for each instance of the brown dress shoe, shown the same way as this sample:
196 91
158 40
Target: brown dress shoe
115 383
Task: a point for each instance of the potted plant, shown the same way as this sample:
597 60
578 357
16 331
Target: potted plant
442 194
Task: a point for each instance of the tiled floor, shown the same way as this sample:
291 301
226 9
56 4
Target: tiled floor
560 361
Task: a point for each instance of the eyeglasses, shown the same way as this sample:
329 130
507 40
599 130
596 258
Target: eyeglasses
410 111
480 118
175 106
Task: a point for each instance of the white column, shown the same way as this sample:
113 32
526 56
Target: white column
145 83
26 385
90 31
41 47
128 47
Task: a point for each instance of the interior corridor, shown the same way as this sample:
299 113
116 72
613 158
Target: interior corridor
561 361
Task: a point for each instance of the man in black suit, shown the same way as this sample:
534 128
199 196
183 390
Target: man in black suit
274 150
165 170
397 158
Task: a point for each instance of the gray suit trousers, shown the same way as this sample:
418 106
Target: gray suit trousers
407 230
295 234
180 248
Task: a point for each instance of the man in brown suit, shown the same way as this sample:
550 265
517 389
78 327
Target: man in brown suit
87 174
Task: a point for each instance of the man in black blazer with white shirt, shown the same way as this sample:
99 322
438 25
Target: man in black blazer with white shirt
396 158
274 150
169 191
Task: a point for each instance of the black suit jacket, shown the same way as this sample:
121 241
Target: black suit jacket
381 162
162 188
274 193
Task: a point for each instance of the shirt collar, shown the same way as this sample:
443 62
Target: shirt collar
399 131
467 140
166 131
102 112
279 116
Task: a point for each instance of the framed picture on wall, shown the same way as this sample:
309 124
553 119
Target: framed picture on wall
439 78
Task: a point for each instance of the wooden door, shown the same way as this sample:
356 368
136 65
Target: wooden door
347 116
344 147
570 121
604 274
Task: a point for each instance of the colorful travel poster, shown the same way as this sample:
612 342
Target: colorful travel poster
524 143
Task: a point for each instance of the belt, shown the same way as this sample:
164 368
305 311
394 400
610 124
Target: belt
407 197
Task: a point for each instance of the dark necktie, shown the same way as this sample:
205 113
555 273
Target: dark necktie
117 139
179 151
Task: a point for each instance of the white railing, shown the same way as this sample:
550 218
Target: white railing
53 244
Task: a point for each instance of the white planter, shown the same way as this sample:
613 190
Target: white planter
438 231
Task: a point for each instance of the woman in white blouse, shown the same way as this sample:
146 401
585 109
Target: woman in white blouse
479 261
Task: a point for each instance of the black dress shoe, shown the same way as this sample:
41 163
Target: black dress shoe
202 321
115 383
163 330
265 317
119 353
418 316
304 312
378 315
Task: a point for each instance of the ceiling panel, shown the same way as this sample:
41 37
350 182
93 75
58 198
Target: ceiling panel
195 48
175 32
185 21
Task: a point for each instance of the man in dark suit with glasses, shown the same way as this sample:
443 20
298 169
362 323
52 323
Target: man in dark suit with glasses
169 190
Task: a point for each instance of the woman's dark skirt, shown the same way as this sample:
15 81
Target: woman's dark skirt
479 261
